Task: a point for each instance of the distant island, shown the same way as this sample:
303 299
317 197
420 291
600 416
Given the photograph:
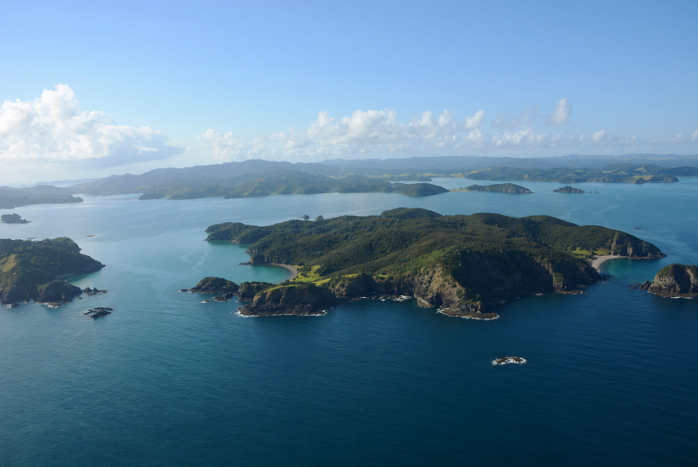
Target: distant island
620 173
11 198
499 188
32 270
568 189
13 218
466 266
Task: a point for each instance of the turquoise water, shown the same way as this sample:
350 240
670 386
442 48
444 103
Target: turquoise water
166 380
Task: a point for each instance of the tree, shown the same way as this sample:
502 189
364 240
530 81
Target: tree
319 218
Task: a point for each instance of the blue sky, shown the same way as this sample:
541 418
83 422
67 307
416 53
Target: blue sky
94 88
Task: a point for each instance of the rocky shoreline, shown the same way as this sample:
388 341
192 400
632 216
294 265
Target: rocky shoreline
673 281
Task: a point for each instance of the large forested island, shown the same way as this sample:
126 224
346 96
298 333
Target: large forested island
33 270
465 265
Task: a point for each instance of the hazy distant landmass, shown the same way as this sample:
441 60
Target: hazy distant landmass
263 178
466 265
624 173
13 218
284 182
41 194
568 189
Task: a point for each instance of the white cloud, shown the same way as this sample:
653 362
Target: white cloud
598 136
53 129
561 114
365 132
694 137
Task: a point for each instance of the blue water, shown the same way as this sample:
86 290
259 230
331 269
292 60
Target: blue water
166 380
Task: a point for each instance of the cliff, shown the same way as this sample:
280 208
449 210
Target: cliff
676 280
466 264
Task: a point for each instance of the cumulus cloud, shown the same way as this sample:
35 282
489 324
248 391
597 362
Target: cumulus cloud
561 113
694 137
598 136
365 132
52 128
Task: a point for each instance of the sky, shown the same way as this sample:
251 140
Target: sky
90 89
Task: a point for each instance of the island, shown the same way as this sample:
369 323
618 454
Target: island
618 173
499 188
13 218
675 281
568 189
33 270
466 266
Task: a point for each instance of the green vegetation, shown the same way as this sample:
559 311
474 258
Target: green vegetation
499 188
465 262
28 268
676 280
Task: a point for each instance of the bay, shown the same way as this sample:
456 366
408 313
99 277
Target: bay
167 380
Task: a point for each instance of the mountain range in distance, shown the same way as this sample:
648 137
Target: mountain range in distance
263 178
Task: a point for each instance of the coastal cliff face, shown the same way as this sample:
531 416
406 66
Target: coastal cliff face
291 299
467 265
676 280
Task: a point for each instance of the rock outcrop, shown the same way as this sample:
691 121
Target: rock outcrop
57 292
676 280
300 299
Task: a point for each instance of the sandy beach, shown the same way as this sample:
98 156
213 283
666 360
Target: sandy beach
599 260
291 269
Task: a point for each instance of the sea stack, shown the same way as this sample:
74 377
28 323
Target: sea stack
676 280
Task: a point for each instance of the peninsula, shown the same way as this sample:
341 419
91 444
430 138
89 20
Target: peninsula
33 270
465 265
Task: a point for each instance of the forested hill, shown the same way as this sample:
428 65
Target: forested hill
465 263
29 268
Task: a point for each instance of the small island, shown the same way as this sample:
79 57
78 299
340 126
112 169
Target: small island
13 218
33 270
466 266
568 189
499 188
675 281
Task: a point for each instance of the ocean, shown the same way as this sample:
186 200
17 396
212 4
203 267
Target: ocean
166 380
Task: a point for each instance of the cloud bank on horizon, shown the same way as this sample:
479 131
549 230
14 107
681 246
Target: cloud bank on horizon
52 131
